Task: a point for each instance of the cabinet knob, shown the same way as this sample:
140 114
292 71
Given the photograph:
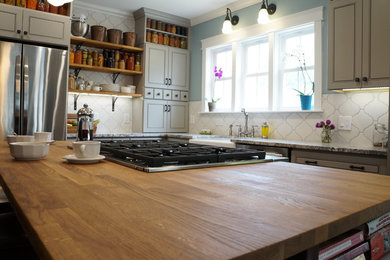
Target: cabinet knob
149 93
357 80
18 31
167 95
185 96
158 94
176 95
365 79
25 32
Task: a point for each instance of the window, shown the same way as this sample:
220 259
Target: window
265 70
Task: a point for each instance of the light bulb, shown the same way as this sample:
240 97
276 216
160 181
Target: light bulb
227 27
59 2
263 16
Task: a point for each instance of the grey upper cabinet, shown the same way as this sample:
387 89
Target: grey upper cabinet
165 116
359 44
31 25
166 67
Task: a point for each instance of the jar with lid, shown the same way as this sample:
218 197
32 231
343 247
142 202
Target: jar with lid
173 29
32 4
148 23
138 62
78 57
71 56
168 27
153 24
53 9
148 36
177 42
154 37
183 43
379 134
166 39
160 38
130 62
121 64
63 9
85 56
159 25
100 60
46 6
171 41
80 83
89 59
265 130
21 3
71 82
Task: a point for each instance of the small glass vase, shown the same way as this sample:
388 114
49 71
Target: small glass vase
325 135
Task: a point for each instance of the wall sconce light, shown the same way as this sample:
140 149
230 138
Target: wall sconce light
264 11
59 2
229 21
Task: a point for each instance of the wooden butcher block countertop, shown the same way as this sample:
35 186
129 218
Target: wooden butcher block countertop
107 211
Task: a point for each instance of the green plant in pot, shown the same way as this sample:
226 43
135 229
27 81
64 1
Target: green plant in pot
213 104
307 92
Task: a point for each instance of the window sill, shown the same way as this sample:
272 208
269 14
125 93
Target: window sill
263 112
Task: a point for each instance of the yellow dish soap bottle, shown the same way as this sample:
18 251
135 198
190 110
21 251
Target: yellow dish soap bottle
265 130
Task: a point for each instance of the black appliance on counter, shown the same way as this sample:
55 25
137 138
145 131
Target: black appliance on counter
162 155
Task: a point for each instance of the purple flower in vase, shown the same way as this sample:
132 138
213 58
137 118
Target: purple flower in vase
218 73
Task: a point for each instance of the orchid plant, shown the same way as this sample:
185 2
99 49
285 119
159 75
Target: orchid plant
300 56
218 72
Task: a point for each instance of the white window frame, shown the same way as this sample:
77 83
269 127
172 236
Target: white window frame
314 15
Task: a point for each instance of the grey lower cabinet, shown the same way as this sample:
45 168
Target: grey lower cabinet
36 26
165 116
358 43
363 163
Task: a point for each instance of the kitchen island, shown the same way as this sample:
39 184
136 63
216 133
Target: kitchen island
261 211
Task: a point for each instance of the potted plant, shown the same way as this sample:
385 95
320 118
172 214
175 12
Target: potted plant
308 91
213 104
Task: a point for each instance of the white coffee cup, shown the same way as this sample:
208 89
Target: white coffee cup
86 149
43 136
132 89
97 88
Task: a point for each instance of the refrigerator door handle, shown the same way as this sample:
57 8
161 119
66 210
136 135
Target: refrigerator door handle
24 103
17 96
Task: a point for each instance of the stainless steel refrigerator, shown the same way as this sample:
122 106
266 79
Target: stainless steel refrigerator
33 87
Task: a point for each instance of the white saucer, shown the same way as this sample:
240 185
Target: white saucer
73 159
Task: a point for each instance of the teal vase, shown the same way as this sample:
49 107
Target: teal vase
306 102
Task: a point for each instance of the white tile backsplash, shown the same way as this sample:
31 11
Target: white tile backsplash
366 109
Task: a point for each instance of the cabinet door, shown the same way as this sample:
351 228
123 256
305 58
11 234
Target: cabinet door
376 43
178 69
156 67
45 27
10 21
155 116
177 120
344 43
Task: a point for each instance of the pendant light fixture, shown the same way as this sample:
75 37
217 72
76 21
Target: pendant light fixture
229 21
265 10
59 2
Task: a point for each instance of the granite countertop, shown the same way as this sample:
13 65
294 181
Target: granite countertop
317 146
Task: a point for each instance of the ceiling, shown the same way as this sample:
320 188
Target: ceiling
183 8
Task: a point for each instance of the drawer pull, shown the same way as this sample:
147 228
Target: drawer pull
357 168
311 162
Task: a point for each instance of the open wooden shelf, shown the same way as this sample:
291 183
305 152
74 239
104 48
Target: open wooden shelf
104 69
104 93
103 45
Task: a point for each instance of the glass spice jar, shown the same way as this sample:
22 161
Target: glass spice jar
71 56
71 82
121 64
41 6
84 57
168 28
171 41
166 39
32 4
177 42
53 9
183 43
78 57
130 62
21 3
89 59
100 60
148 36
159 25
173 29
160 38
153 24
137 66
154 37
148 23
63 9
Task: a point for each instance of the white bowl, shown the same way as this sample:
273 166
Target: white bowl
28 151
19 138
125 89
111 87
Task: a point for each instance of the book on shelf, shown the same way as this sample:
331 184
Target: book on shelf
380 243
340 244
354 252
378 223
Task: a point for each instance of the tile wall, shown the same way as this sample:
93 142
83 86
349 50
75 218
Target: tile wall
110 122
366 109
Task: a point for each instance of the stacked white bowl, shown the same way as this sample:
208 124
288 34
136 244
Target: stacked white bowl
28 147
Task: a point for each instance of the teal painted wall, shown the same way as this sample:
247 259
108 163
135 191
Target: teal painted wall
248 16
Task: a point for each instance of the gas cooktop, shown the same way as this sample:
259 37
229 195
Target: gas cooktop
161 155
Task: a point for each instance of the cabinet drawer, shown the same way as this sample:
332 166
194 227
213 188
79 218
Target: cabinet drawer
158 93
176 95
184 96
167 94
148 93
339 165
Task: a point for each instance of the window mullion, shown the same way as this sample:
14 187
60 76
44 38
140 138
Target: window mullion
271 41
234 76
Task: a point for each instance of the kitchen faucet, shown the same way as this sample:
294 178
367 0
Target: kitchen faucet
246 131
